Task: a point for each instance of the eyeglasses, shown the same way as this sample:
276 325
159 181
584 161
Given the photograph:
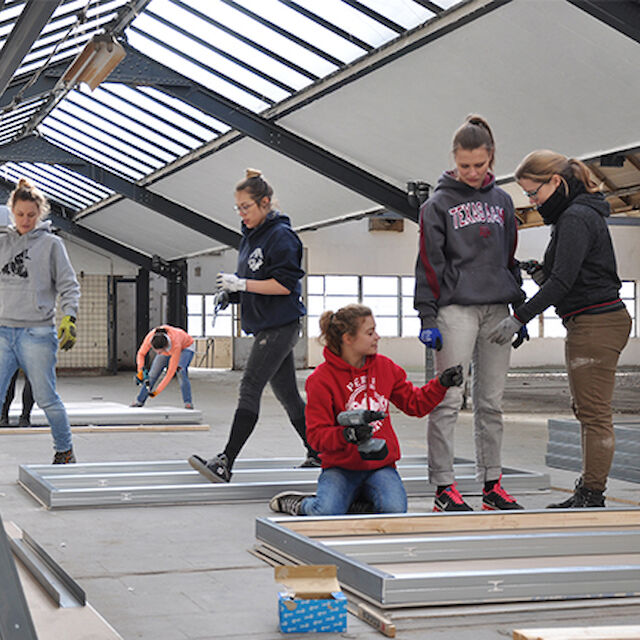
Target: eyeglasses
243 207
534 193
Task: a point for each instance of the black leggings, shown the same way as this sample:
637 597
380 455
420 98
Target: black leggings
27 397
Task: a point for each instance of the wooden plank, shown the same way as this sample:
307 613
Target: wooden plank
579 633
106 428
452 522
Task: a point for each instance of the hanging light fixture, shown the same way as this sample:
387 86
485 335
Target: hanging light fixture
100 56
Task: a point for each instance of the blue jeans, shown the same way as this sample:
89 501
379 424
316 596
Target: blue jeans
338 488
34 350
159 364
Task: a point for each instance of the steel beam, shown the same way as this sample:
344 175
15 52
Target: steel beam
527 572
175 482
15 618
25 32
37 149
622 15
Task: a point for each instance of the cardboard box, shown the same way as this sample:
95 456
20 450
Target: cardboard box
313 600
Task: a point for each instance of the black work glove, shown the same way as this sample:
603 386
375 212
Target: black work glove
452 377
358 434
534 269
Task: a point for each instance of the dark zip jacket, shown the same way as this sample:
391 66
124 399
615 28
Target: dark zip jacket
579 263
271 250
468 240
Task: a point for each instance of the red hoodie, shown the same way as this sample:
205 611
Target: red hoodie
336 386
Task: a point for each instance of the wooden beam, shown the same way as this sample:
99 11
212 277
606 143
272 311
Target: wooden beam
579 633
448 522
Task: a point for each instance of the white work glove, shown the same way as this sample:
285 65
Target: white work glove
231 282
503 332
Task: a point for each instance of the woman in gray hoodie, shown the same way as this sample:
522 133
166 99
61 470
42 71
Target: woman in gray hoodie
35 270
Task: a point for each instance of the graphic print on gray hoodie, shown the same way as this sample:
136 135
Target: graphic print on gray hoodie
35 271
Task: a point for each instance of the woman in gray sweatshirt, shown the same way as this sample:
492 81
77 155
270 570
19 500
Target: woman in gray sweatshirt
466 276
35 270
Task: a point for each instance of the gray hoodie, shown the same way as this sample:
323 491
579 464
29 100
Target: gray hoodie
34 270
467 242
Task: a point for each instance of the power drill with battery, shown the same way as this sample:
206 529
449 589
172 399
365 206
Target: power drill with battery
358 431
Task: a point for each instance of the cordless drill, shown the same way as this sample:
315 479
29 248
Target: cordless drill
357 430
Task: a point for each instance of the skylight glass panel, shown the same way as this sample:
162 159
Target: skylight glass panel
91 188
212 60
204 29
101 129
406 13
351 20
182 129
194 71
305 28
265 36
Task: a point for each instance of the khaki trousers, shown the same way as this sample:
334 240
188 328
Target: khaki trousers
592 348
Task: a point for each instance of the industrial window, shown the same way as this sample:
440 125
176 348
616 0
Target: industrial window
200 317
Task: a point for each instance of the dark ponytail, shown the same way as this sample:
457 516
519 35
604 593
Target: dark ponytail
473 134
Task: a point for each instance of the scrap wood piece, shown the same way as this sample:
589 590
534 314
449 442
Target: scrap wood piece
631 632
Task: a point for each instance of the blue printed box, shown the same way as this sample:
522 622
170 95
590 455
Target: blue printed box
313 601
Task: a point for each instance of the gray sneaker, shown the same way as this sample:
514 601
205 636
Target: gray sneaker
288 502
214 470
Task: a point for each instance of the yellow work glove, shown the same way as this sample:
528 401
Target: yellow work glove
67 333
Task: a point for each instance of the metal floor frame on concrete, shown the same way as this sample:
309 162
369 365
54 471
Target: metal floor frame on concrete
174 482
465 558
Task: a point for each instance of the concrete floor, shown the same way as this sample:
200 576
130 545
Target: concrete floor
176 573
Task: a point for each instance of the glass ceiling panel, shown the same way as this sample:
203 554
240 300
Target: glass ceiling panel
406 13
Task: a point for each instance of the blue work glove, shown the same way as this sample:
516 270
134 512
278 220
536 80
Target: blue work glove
523 334
502 332
431 337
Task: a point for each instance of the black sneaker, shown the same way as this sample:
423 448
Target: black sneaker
582 498
497 499
64 457
311 461
24 421
449 499
288 502
214 470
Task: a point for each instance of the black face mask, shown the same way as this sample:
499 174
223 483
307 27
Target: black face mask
554 205
558 201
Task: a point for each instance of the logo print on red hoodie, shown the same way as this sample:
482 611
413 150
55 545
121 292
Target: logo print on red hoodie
363 395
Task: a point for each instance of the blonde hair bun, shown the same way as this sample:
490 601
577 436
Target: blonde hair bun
253 173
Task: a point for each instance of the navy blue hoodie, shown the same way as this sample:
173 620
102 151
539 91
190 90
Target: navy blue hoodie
468 239
271 250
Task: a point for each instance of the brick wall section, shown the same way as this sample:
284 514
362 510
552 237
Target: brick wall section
91 350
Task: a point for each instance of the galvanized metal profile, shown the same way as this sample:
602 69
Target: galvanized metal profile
516 564
175 482
60 586
15 618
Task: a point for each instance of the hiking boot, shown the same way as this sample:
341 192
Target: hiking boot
311 461
288 502
582 498
449 499
497 499
214 470
64 457
24 421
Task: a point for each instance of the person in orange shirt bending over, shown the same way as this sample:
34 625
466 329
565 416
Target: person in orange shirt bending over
174 349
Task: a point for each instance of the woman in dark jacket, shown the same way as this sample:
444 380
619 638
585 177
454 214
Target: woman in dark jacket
579 277
267 284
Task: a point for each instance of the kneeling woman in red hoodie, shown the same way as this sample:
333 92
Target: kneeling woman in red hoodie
358 449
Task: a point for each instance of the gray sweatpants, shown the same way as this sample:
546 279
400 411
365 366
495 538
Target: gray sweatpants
464 332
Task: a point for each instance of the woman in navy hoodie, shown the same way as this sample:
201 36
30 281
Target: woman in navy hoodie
267 284
354 377
466 276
